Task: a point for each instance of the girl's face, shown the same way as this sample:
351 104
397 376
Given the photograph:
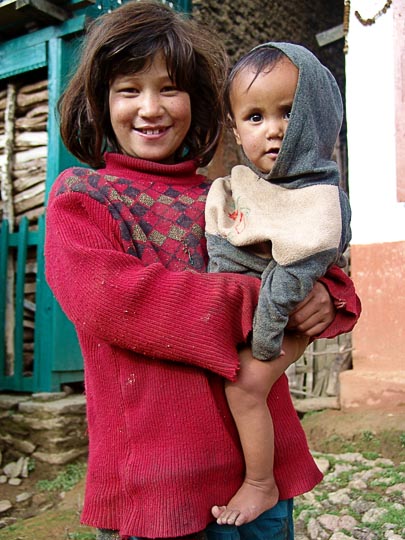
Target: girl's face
149 115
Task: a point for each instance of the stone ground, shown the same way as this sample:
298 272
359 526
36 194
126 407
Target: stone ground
361 498
374 434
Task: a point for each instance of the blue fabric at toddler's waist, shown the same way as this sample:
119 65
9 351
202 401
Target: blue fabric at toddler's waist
274 524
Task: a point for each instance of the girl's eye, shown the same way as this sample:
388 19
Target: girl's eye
287 115
255 117
170 89
130 90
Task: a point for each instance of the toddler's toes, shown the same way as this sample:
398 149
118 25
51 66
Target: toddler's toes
228 517
216 511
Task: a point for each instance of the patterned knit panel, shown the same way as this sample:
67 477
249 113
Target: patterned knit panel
157 219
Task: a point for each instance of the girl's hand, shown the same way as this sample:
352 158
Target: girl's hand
314 314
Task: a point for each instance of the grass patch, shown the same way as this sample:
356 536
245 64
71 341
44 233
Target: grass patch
80 536
371 455
393 516
66 479
390 477
53 524
367 436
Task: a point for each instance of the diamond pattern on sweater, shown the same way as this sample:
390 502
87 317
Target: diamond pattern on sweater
158 219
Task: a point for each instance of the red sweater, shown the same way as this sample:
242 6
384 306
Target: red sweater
126 258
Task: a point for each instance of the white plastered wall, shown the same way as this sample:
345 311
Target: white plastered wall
370 107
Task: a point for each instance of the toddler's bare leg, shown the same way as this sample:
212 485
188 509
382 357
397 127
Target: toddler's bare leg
247 399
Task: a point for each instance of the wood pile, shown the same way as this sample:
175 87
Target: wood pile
23 159
29 149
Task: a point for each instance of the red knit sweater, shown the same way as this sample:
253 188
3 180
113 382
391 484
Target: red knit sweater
125 257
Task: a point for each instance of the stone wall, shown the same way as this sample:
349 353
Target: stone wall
243 24
50 428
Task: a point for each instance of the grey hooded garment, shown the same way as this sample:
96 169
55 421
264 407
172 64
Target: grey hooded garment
298 208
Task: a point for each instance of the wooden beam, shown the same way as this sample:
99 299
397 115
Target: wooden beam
6 187
329 36
47 8
8 214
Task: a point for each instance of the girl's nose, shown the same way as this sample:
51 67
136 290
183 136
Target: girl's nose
150 104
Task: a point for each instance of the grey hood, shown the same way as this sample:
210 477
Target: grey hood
315 122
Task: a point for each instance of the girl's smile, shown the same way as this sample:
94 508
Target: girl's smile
150 116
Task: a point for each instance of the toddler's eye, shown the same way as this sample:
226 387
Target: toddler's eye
256 117
287 115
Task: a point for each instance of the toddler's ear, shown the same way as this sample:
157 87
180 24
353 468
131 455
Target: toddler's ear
231 123
237 136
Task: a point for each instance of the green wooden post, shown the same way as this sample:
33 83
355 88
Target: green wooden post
19 296
57 355
3 288
20 241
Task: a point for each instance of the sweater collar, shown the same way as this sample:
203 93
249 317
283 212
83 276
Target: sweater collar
122 165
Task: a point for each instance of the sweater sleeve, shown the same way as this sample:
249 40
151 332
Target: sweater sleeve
342 291
187 317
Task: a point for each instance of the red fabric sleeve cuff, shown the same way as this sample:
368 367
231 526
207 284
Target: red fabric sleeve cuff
347 303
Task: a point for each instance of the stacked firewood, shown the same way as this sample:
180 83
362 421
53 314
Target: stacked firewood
3 94
23 158
30 147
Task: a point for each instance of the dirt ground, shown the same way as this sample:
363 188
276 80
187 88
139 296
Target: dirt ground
373 431
46 515
56 515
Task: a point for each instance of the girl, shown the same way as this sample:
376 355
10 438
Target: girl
126 258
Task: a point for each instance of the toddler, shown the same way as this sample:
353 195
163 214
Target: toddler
282 217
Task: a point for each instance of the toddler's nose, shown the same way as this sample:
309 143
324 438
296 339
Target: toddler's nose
275 129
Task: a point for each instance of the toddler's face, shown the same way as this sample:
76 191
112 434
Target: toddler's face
150 116
261 111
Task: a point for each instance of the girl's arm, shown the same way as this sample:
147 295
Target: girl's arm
332 307
186 317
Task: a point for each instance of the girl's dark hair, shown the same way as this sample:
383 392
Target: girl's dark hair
258 60
124 42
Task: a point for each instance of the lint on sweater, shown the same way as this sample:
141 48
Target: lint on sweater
298 208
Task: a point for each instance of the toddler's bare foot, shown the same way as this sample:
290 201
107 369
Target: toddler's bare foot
251 500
